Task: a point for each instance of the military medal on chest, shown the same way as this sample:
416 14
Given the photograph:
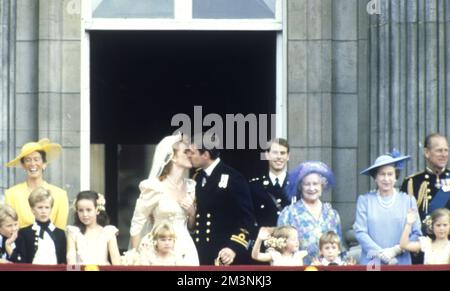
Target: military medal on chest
445 185
438 184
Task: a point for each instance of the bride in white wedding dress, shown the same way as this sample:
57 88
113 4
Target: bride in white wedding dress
167 196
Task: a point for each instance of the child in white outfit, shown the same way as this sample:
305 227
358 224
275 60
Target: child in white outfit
437 247
283 246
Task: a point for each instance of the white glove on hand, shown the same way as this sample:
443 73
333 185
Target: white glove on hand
388 255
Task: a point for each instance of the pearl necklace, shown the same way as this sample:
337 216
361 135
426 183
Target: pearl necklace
389 203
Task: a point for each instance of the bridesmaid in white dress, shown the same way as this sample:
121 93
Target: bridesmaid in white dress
167 196
157 248
90 240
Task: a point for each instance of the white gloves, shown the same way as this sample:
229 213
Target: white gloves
388 255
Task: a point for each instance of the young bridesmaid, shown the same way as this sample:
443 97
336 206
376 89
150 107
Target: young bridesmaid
91 239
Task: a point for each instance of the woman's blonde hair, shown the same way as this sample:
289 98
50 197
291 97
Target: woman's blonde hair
279 236
7 211
38 195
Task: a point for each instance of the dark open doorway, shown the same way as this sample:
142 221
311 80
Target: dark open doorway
141 79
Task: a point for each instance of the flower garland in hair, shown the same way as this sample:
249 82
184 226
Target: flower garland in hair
278 243
101 202
428 222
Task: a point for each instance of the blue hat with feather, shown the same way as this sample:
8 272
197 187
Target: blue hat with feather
394 158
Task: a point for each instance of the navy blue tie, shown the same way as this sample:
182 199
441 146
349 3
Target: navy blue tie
277 183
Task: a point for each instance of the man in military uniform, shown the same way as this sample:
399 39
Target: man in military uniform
224 218
268 190
431 187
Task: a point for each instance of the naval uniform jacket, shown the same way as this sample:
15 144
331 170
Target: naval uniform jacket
423 186
268 200
224 215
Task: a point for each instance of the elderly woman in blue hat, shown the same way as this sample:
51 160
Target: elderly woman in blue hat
381 214
309 215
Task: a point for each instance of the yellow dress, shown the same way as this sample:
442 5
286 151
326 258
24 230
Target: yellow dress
17 198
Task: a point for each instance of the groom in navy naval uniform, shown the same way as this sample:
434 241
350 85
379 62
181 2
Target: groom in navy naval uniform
224 217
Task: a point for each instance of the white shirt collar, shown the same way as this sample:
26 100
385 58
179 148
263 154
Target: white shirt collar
211 167
280 177
37 228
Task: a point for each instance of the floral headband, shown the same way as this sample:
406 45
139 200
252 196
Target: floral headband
428 223
278 243
101 202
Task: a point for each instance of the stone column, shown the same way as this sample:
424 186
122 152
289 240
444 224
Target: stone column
59 88
26 98
345 100
310 81
7 89
409 76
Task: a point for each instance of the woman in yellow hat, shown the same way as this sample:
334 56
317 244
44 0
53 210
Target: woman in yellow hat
34 158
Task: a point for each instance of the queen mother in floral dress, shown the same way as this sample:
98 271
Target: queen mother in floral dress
309 215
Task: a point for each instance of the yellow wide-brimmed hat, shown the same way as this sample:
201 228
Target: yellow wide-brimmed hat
52 151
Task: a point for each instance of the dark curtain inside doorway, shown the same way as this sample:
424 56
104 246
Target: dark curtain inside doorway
141 79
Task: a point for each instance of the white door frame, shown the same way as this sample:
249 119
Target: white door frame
183 21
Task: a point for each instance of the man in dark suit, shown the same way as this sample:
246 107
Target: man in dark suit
430 187
268 190
224 217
